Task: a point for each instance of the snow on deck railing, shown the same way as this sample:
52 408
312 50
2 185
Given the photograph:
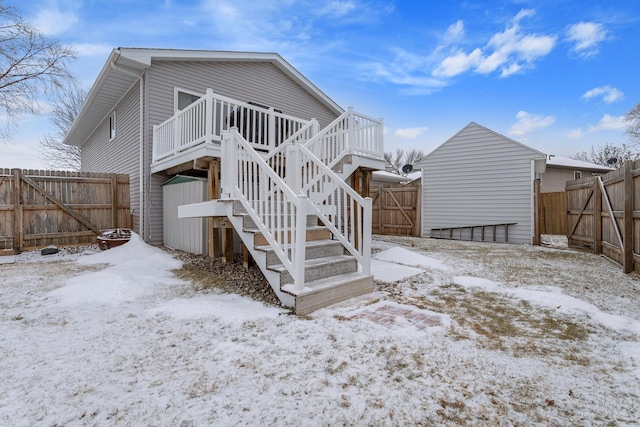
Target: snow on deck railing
208 118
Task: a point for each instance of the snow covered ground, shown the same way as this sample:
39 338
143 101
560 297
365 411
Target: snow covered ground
457 333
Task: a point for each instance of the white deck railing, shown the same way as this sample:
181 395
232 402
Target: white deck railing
350 133
278 192
210 117
279 213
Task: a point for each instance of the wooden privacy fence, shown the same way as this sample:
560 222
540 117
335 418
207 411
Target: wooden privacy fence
396 210
41 208
552 213
604 214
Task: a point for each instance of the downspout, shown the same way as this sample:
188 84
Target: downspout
141 179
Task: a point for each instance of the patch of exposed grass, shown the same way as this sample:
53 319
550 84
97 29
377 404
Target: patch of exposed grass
200 279
500 323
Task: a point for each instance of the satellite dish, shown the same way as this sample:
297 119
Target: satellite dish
407 168
612 161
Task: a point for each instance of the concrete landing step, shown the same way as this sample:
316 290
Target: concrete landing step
324 292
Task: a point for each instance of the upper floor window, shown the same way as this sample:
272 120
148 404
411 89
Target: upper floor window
577 174
183 98
112 126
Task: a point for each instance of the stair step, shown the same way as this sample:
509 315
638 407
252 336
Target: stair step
314 249
324 292
249 223
313 233
319 268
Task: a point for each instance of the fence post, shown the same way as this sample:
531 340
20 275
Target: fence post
628 217
17 212
597 218
114 200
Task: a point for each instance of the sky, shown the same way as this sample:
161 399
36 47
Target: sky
557 75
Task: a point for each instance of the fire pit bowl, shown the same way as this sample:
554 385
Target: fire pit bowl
114 237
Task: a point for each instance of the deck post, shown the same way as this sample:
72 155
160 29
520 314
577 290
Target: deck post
214 193
208 115
300 234
271 129
366 235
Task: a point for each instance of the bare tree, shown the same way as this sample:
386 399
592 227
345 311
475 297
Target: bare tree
633 125
401 158
31 65
605 155
55 153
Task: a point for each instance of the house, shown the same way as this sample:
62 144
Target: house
479 185
380 178
277 152
563 169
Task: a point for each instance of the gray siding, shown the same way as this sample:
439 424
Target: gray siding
479 177
244 81
121 154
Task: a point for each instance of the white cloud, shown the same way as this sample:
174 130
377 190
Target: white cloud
454 32
458 63
411 133
338 9
87 49
53 21
575 133
609 94
586 37
509 51
528 122
608 122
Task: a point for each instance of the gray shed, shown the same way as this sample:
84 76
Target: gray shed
479 177
185 234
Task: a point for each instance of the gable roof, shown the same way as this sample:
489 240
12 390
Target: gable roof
535 154
568 163
125 66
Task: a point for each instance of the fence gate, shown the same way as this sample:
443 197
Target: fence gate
552 213
604 214
41 208
396 210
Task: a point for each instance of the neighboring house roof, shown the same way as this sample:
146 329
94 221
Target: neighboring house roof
568 163
393 178
535 154
125 65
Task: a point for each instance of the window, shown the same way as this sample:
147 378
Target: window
183 98
112 126
577 174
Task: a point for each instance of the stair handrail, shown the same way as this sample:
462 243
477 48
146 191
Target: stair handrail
280 215
352 219
349 133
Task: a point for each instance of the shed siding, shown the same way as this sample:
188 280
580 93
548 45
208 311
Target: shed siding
121 154
185 234
477 178
245 81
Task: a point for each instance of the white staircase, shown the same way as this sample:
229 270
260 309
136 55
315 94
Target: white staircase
307 230
330 275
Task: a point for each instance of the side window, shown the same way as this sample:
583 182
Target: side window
183 98
577 174
112 126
